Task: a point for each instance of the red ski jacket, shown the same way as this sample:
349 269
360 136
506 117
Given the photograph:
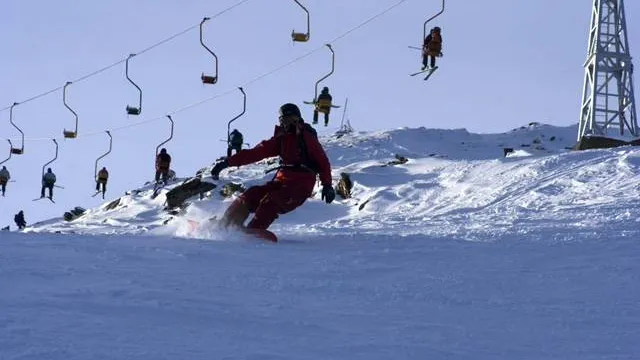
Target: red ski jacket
288 145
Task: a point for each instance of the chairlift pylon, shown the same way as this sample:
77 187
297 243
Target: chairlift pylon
302 37
208 79
20 150
244 109
345 126
68 133
132 110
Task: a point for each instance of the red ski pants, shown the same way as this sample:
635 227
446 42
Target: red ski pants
273 198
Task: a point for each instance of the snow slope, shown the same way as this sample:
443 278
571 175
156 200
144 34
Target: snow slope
455 183
460 253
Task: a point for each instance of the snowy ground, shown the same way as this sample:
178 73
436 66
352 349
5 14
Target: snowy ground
327 297
460 253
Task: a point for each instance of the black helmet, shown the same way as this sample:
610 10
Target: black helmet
289 109
163 151
289 115
325 89
436 28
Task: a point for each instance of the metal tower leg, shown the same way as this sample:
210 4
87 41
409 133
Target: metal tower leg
608 106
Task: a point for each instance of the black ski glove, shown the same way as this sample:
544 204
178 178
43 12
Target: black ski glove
220 165
328 194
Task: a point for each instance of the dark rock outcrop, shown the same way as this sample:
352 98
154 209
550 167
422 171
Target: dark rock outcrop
231 188
74 213
191 187
344 186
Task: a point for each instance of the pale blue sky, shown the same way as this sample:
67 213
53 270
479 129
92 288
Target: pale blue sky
506 63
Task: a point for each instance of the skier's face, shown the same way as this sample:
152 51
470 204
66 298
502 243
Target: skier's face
287 121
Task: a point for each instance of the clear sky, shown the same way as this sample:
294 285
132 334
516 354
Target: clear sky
506 63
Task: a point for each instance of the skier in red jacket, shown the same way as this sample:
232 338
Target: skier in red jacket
302 158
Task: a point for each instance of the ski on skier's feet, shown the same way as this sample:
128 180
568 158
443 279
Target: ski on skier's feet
430 73
426 70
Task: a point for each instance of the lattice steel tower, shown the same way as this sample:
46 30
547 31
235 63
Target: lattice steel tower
608 106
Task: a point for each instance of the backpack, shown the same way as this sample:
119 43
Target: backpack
306 162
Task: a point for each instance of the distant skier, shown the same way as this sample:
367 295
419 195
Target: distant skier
432 47
48 182
19 220
4 179
323 105
103 177
163 163
235 142
302 158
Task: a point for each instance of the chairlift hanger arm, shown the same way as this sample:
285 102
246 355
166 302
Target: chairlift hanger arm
424 27
244 109
69 134
103 155
10 153
54 158
302 36
169 138
133 110
333 63
208 79
20 150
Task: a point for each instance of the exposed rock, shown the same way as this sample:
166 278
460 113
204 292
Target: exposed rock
344 186
507 151
231 188
190 187
202 172
74 213
363 204
112 205
398 161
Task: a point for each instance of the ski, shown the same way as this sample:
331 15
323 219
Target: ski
430 73
312 103
97 194
419 72
427 70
